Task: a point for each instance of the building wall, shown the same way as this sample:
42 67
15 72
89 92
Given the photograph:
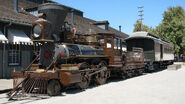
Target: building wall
26 51
26 55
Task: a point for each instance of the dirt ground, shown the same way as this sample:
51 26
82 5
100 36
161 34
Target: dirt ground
6 84
163 87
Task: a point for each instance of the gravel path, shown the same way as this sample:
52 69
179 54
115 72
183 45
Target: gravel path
163 87
6 84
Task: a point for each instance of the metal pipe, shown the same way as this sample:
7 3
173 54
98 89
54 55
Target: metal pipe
10 23
4 48
72 16
120 28
16 6
3 59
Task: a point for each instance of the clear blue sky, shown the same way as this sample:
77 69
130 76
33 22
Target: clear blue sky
123 12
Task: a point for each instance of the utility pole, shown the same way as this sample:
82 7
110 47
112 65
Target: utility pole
141 16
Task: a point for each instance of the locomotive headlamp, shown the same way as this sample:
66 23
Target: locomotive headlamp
37 30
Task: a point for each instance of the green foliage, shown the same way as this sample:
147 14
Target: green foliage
172 28
137 27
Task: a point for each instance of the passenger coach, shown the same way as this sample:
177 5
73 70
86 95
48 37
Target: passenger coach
157 52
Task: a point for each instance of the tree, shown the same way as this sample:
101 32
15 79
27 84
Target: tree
172 28
137 27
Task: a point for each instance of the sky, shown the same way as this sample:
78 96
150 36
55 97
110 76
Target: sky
124 12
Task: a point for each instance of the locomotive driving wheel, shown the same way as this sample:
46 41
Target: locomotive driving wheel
53 88
85 79
123 75
140 72
101 77
84 83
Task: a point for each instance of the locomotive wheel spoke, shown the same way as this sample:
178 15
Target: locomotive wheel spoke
101 77
84 83
140 72
85 79
123 75
129 74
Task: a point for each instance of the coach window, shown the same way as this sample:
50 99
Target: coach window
115 44
119 44
109 45
101 41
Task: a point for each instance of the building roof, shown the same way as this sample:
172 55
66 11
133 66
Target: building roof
118 33
8 14
85 25
110 29
82 24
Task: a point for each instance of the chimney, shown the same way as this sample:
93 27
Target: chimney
16 6
119 28
72 17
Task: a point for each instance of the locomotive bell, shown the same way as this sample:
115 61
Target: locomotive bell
51 19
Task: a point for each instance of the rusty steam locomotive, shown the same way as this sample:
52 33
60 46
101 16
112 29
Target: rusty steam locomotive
64 60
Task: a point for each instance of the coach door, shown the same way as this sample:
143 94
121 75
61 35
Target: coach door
109 48
161 51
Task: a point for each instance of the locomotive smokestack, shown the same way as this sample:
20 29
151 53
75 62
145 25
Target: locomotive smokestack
54 13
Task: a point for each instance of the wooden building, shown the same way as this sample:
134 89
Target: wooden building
16 47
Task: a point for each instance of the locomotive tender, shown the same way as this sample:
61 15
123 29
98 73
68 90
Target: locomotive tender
157 52
65 63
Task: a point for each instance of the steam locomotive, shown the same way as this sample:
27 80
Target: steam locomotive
70 62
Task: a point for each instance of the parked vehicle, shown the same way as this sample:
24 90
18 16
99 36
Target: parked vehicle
157 52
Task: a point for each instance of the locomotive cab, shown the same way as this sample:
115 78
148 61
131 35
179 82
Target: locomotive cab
115 48
121 62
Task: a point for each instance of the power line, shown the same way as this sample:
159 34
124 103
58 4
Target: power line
141 16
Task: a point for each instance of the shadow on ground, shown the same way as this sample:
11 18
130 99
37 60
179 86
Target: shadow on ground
69 90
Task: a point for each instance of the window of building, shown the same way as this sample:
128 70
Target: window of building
102 26
14 55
